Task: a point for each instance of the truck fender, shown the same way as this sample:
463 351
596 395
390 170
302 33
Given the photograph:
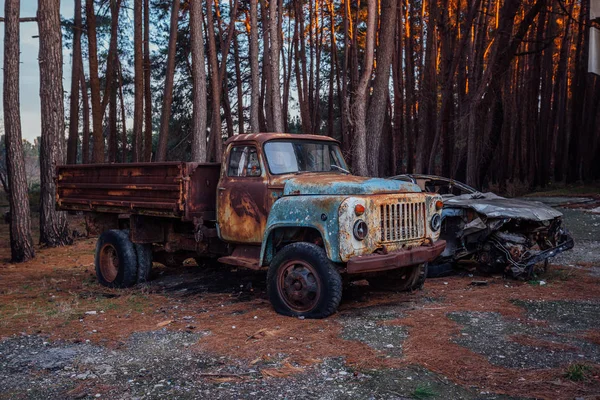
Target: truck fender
314 212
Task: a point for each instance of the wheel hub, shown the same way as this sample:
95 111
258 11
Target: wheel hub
299 285
109 262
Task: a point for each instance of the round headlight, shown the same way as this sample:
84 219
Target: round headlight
360 230
436 222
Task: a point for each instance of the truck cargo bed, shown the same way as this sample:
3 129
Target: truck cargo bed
169 189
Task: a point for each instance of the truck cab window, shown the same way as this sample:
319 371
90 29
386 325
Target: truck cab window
243 161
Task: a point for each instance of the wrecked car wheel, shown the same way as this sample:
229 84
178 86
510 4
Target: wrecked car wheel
116 260
401 280
303 282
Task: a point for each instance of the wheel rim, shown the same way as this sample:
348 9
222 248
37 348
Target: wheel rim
299 285
109 262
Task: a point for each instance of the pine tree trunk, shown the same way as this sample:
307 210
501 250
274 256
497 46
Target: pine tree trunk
123 118
378 102
147 86
215 126
238 86
275 32
165 118
97 134
199 112
360 100
85 101
255 80
138 101
74 101
112 119
53 224
21 244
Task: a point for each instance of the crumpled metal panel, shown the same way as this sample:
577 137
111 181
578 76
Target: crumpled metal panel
494 206
340 184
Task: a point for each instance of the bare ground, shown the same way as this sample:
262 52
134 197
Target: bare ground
209 332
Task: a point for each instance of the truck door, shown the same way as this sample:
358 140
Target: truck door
242 196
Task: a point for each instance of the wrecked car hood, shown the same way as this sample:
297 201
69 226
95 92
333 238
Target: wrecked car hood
340 184
494 206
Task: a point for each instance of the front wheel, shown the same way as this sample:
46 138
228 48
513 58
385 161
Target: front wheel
302 281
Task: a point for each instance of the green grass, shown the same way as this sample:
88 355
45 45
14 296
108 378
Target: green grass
423 392
578 372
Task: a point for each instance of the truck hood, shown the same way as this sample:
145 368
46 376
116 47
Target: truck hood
340 184
493 206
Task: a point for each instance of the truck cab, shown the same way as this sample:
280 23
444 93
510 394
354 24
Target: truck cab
285 203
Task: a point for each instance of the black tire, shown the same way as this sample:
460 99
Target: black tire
144 260
401 280
303 282
116 259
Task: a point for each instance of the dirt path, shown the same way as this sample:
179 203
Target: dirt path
210 333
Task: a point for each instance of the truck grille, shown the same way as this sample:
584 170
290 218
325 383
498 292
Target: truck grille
402 221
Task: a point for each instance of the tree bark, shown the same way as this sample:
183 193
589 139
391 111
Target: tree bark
21 244
361 95
378 102
199 112
97 134
255 80
138 90
238 85
123 118
54 230
75 79
275 32
163 138
85 137
147 86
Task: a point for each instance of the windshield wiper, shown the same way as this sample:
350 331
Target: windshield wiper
333 166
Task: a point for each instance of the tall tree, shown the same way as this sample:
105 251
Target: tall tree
85 139
199 112
379 98
255 80
147 86
97 134
165 117
75 78
274 49
53 224
361 95
21 244
138 102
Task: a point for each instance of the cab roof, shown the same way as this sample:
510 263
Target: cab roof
263 137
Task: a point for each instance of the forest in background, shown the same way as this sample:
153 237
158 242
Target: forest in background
491 92
486 91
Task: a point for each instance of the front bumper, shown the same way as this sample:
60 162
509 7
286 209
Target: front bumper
565 243
397 259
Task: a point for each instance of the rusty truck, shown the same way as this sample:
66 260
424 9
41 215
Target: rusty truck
285 203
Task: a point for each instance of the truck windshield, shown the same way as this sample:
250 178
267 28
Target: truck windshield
284 157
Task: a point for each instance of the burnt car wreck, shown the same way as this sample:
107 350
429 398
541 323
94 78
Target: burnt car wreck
510 236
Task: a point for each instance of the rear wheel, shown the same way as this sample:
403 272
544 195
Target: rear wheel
144 260
116 259
302 281
401 280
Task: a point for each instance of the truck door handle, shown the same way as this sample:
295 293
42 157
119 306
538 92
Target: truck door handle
221 188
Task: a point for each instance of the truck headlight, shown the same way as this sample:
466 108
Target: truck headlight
360 229
436 222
